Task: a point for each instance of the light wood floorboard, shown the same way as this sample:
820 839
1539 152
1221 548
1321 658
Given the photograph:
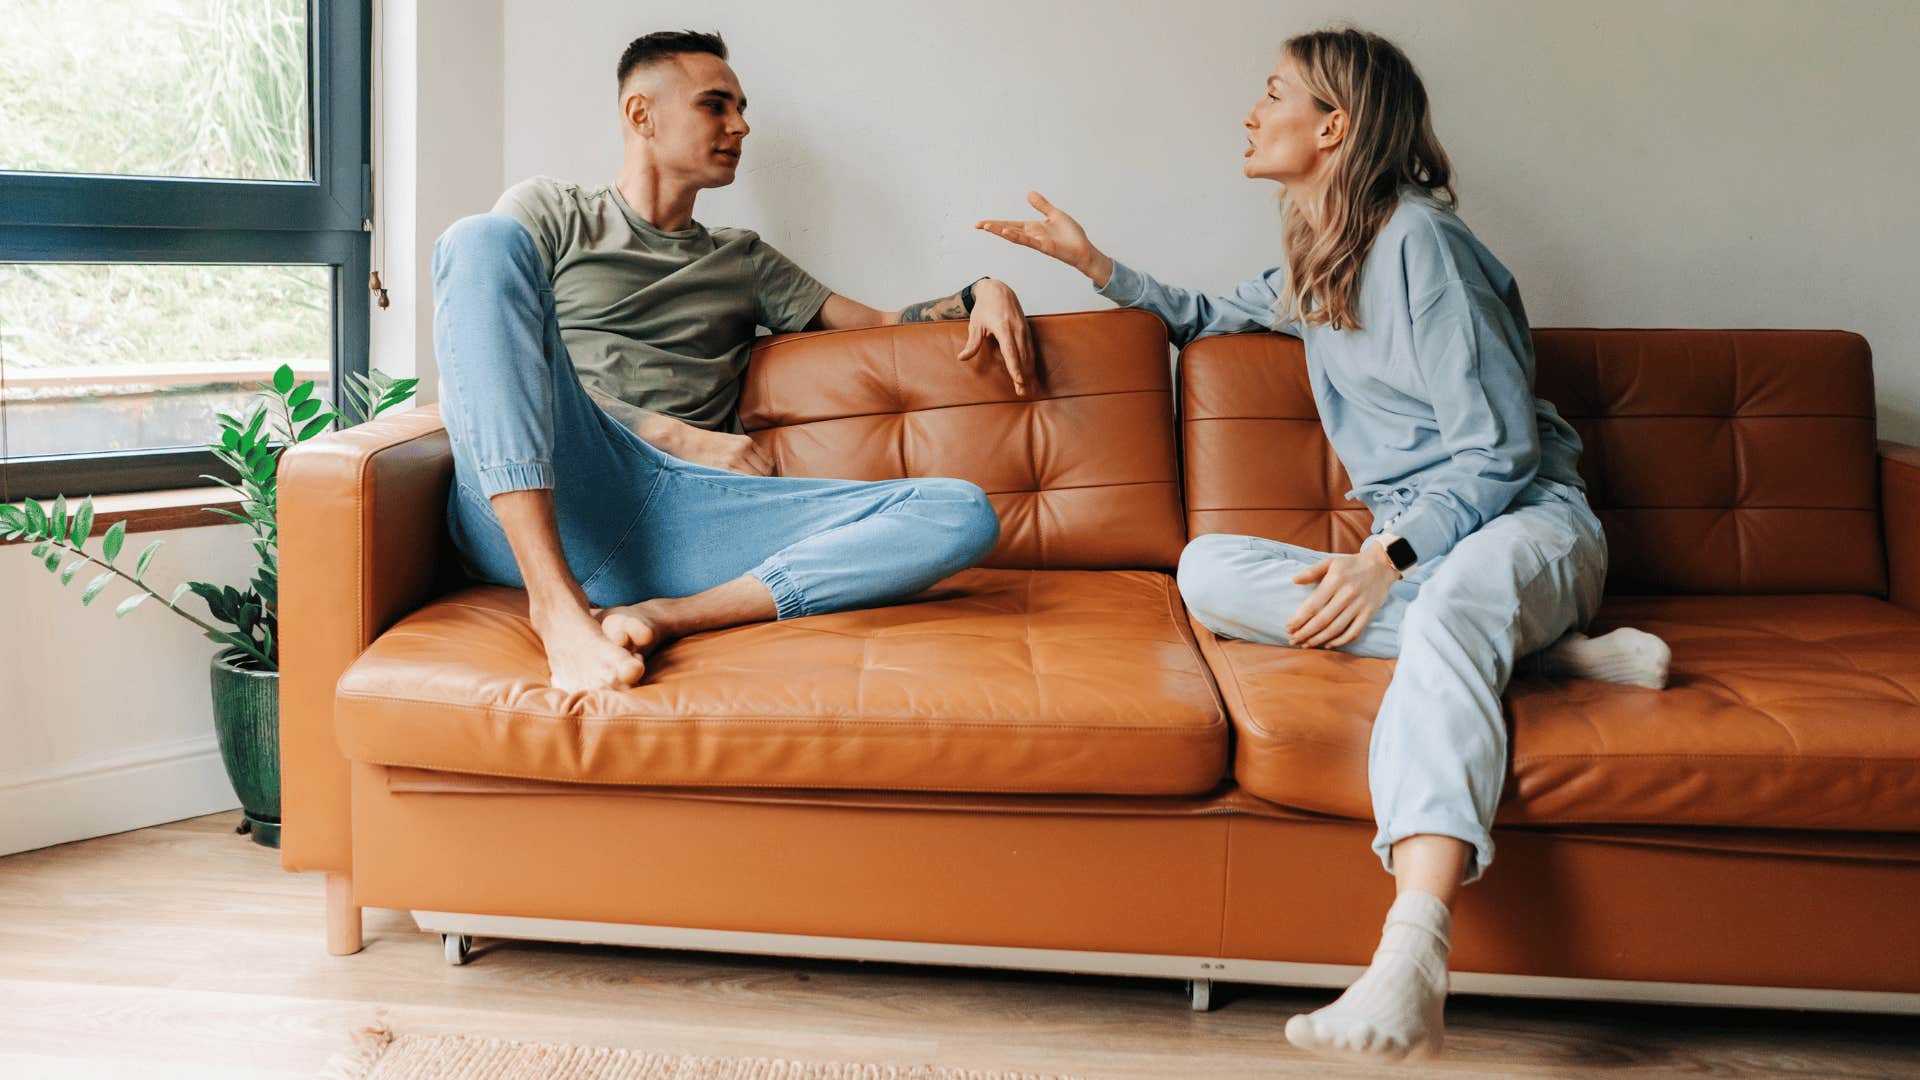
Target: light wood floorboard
184 951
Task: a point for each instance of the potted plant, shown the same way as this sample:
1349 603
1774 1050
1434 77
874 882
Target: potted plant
246 671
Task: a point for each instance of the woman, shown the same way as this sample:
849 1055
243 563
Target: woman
1483 549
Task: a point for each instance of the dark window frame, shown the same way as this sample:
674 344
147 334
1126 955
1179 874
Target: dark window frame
71 217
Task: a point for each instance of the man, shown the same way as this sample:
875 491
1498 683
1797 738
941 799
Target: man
591 345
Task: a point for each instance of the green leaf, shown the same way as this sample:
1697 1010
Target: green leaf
300 394
140 567
178 591
283 379
253 425
40 549
72 568
13 517
216 604
359 393
36 518
129 604
93 588
224 512
314 427
53 561
82 524
230 439
59 518
110 544
304 411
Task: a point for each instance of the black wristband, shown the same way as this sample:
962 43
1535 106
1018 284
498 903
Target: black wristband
966 294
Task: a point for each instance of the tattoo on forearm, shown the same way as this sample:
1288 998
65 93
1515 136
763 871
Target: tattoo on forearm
947 307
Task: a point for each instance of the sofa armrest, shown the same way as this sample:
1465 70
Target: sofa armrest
1900 515
363 541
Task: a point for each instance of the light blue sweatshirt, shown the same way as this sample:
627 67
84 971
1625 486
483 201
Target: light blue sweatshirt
1430 404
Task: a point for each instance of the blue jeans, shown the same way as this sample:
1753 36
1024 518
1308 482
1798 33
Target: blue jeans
1456 623
636 523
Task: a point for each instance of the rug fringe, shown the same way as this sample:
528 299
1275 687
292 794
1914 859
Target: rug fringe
358 1060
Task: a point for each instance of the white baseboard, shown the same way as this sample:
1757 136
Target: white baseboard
146 786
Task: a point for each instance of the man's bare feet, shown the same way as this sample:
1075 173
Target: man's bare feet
634 627
582 655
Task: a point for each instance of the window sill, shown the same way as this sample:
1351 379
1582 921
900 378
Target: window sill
154 511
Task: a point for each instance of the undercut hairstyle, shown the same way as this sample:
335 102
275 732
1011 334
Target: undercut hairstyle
658 46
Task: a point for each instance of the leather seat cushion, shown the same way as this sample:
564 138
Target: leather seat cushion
1082 682
1783 712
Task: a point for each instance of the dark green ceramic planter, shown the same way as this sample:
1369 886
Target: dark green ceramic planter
246 716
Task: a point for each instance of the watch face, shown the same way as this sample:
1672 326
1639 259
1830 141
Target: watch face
1401 554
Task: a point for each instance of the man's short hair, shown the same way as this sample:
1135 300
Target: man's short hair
662 44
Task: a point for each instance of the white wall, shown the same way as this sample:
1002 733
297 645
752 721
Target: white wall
107 724
437 158
1713 163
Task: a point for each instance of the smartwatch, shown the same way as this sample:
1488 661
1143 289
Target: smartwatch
1400 554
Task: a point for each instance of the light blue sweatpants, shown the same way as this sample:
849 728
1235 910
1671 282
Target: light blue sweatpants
636 523
1456 623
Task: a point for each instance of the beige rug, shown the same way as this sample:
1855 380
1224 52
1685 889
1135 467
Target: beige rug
379 1054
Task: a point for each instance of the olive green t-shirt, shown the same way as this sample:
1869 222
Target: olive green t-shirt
658 320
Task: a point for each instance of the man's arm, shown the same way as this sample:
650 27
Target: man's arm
714 449
994 314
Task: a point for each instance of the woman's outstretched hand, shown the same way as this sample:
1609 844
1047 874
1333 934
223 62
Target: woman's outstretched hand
1055 234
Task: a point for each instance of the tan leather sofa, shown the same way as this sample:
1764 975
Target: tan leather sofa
1044 763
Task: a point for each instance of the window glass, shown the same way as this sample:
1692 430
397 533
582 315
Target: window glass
187 88
98 357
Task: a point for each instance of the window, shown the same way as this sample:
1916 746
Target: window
183 198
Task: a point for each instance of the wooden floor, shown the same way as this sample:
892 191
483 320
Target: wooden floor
184 951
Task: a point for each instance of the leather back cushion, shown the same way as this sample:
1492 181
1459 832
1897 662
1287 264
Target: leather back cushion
1720 461
1081 470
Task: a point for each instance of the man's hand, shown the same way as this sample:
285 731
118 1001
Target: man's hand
1055 234
718 450
1352 588
997 316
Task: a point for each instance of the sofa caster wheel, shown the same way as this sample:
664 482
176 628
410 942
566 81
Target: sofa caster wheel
1201 993
457 947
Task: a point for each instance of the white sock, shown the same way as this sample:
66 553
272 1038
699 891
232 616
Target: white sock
1629 656
1393 1011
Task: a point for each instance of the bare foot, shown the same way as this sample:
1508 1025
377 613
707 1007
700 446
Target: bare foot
635 627
582 656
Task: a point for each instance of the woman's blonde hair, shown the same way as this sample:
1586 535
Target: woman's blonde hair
1389 145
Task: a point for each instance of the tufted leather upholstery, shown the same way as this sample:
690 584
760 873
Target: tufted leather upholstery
1720 461
1080 692
1797 712
1080 471
997 680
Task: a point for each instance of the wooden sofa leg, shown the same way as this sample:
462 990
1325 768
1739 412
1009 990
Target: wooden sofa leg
343 916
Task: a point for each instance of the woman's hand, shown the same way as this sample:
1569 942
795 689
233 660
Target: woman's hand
1055 234
997 316
1352 588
